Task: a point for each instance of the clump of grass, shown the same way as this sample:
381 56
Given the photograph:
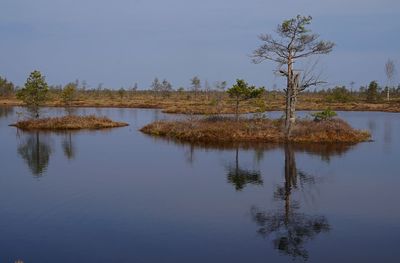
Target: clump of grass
69 123
256 130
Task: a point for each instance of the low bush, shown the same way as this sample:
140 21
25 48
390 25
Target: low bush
325 115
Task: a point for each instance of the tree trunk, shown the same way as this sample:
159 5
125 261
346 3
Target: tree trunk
290 178
291 98
237 110
292 104
289 90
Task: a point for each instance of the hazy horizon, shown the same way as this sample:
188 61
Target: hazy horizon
122 42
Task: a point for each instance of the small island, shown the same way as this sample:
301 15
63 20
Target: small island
225 129
69 123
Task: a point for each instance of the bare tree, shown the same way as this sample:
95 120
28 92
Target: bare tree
155 86
294 42
196 84
207 89
390 70
220 87
166 88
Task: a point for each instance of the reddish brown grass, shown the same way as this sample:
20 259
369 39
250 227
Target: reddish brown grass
262 130
188 104
69 123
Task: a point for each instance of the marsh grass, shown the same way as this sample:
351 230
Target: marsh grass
256 130
69 123
187 103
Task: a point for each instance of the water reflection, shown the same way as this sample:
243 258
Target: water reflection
189 154
240 177
70 110
372 125
68 146
35 150
6 111
289 227
387 136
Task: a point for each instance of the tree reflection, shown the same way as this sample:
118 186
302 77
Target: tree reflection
36 153
68 146
70 110
289 228
240 177
6 111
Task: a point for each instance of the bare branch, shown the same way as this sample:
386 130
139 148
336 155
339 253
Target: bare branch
310 78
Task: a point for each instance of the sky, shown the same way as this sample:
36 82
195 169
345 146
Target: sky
120 42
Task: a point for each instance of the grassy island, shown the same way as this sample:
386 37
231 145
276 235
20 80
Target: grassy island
223 129
69 123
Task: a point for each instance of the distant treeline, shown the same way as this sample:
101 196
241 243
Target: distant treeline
373 92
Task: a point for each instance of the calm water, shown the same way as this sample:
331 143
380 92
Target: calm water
121 196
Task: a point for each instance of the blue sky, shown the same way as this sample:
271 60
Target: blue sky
121 42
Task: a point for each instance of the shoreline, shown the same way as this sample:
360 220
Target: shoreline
206 109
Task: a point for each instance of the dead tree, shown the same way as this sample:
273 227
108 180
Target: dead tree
294 42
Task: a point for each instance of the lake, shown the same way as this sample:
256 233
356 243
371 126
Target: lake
121 196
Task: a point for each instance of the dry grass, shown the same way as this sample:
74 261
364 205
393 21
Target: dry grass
188 103
69 123
261 130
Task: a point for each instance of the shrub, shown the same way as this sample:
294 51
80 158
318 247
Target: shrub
68 93
6 87
35 92
339 94
325 115
372 92
241 91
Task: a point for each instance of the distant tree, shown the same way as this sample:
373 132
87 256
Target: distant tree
207 89
6 87
34 93
220 87
295 41
68 94
241 91
84 85
352 83
180 90
339 94
166 88
121 93
156 86
390 70
132 90
195 84
372 92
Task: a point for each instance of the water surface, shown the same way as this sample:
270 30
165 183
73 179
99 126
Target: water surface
122 196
